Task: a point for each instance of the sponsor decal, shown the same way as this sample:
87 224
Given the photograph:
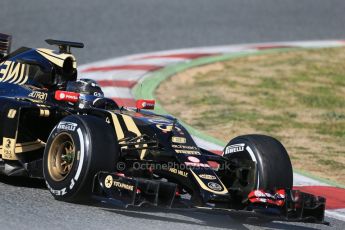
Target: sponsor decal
97 94
8 144
207 177
39 95
190 152
261 196
145 104
234 148
214 186
72 184
165 128
161 121
67 125
168 128
8 150
108 182
184 147
166 125
179 140
193 164
66 96
60 192
193 159
178 172
123 185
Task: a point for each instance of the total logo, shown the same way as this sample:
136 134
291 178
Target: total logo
195 162
66 96
146 104
193 159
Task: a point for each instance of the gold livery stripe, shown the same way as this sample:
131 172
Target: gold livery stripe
44 112
131 126
118 129
25 78
201 183
24 73
27 146
13 72
57 59
50 54
11 113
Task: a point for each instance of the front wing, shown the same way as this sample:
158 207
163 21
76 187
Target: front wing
125 191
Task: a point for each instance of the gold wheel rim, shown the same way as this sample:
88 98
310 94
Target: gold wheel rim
61 156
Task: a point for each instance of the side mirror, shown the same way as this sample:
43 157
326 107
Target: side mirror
145 104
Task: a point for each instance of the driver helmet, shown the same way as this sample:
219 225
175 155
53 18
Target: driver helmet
89 90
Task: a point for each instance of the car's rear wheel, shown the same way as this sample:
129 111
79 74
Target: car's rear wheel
273 166
77 148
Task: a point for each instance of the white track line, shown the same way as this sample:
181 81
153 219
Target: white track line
129 75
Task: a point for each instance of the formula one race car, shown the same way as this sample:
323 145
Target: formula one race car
85 146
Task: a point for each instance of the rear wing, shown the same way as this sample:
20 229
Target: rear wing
5 44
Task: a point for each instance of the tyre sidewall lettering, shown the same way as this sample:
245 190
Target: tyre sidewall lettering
64 188
244 149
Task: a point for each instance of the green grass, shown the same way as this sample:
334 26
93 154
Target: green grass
334 116
296 96
270 83
322 97
205 100
332 163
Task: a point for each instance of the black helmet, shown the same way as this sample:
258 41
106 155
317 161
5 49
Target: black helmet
86 87
91 94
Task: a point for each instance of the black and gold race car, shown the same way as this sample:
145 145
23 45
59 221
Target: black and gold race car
86 147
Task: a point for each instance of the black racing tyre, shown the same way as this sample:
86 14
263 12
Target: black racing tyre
273 165
77 148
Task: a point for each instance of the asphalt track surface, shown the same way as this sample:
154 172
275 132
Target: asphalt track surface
112 28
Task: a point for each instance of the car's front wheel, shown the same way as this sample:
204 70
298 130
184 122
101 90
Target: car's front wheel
272 169
77 148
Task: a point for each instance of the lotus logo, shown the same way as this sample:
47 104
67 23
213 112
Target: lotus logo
214 186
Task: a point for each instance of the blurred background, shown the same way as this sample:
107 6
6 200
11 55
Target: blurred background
112 28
